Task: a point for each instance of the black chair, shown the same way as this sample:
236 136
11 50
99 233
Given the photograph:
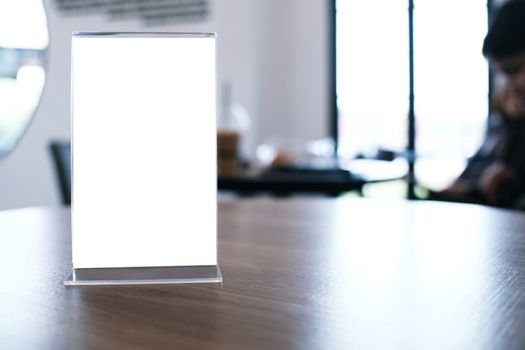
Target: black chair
61 154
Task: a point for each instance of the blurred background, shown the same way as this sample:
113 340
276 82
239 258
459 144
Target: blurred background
296 74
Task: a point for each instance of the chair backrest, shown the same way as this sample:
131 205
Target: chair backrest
61 153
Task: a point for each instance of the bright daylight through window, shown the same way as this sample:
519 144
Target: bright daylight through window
451 81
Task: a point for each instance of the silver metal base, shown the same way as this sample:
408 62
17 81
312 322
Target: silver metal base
144 275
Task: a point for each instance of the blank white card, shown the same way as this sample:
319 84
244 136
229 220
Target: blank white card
144 150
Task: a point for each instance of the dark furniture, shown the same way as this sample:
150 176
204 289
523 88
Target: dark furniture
61 155
330 181
298 274
286 181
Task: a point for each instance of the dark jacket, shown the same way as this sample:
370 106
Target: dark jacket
504 143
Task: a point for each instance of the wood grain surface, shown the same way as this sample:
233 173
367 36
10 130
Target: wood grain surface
298 274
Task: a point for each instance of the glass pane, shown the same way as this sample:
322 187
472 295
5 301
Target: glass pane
451 86
372 75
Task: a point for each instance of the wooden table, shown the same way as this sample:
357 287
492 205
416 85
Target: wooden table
298 274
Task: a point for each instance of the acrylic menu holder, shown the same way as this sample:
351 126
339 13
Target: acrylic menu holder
144 169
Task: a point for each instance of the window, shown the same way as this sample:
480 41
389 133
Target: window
23 41
450 85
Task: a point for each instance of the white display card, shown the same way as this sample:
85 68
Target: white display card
143 150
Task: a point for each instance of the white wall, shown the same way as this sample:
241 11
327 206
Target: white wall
293 73
273 51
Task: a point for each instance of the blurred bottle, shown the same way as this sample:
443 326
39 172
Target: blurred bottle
233 123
